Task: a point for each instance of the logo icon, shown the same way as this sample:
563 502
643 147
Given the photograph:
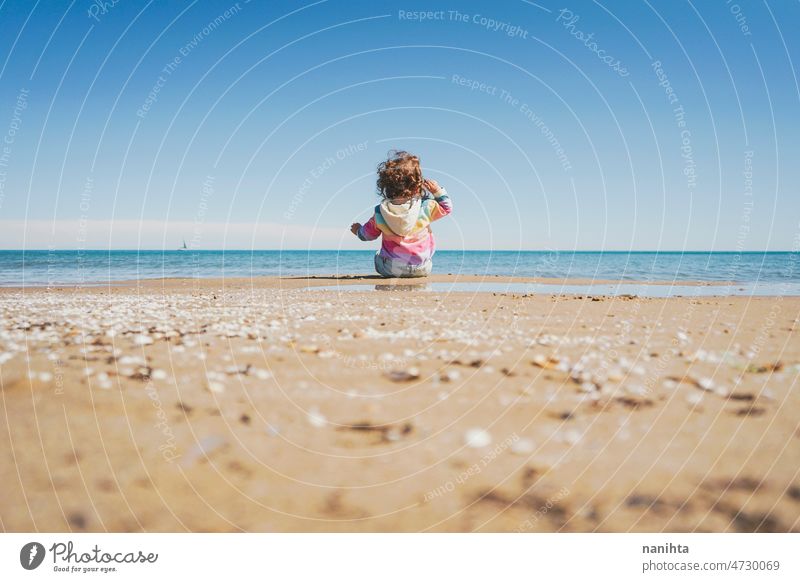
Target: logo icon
31 555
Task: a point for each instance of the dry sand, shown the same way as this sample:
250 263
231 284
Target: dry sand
261 405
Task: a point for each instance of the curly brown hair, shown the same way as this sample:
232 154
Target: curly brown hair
400 176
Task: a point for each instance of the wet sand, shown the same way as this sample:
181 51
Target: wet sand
261 405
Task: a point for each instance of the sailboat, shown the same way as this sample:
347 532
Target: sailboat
184 247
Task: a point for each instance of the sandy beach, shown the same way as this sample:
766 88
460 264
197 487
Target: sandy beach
263 405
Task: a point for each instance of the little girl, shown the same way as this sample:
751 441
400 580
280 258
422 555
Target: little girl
404 217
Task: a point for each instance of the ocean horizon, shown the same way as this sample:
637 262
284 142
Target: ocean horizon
75 267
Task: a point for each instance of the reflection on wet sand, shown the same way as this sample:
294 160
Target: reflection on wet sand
403 287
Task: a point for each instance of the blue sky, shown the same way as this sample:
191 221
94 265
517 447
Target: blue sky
259 124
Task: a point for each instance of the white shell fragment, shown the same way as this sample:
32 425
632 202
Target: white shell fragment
316 418
216 387
477 438
523 447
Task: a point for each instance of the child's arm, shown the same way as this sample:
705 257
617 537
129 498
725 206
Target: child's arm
441 206
367 231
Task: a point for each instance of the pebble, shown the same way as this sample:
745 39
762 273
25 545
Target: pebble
316 418
523 447
551 363
694 398
158 375
103 381
616 375
403 375
216 387
392 435
450 376
571 437
477 438
636 389
262 374
705 383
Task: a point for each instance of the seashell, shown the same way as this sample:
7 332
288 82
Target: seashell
694 398
158 375
262 374
523 447
450 376
551 363
615 375
477 438
705 384
316 418
403 375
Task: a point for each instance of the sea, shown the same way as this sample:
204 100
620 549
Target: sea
778 270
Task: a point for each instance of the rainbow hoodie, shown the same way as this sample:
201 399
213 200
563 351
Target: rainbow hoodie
406 228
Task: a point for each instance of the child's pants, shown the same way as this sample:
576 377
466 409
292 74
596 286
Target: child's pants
389 268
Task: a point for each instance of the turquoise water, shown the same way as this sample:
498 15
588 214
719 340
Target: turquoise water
98 267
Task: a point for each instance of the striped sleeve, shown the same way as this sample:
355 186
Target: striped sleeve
441 206
369 230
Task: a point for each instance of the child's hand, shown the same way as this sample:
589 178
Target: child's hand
432 186
354 228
